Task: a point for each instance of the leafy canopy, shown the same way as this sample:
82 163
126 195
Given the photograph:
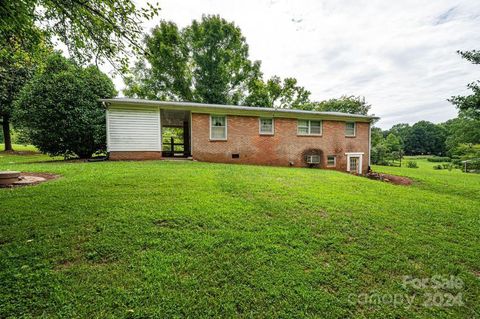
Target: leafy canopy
16 68
91 29
469 104
204 62
207 62
345 104
462 130
277 93
59 109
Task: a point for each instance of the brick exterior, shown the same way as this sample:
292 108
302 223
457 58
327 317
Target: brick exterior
134 155
284 148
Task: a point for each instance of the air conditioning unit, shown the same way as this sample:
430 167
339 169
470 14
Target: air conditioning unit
313 159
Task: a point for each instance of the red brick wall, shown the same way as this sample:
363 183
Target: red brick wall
135 155
282 148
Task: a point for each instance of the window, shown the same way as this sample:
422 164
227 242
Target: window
350 129
331 161
266 126
313 159
306 127
218 127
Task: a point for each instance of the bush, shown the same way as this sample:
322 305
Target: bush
412 164
437 167
59 111
439 159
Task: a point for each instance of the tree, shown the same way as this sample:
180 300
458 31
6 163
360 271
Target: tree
345 104
16 68
425 138
91 29
394 148
206 62
401 130
376 136
470 103
462 130
59 108
378 150
277 93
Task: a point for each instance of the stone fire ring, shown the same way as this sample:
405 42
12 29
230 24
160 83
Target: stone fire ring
15 178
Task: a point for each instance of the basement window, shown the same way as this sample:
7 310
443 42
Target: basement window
331 161
218 127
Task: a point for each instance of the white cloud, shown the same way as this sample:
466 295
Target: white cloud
401 55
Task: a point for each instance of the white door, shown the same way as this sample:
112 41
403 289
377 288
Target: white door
354 162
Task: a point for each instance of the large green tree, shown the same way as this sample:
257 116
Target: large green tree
59 108
91 29
401 130
462 130
425 138
470 104
16 69
207 62
204 62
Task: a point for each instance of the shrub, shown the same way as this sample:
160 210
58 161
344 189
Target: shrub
447 166
412 164
437 167
59 109
439 159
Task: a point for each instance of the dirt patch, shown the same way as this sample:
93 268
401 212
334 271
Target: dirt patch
30 178
393 179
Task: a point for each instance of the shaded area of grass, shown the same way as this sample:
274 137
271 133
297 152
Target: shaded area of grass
174 239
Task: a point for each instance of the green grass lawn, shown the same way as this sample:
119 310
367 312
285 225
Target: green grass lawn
187 239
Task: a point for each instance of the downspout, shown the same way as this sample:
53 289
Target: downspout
105 105
369 143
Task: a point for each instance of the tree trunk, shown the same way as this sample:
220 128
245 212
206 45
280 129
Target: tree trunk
6 133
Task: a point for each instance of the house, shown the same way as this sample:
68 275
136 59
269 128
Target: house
136 130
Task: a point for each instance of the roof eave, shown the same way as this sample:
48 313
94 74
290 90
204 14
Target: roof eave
241 110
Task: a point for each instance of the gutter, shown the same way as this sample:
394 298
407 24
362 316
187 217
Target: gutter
232 109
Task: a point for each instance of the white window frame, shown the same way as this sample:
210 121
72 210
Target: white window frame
260 126
309 125
354 129
334 161
226 127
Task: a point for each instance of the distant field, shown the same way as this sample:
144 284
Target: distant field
188 239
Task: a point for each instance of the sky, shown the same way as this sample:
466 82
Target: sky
400 55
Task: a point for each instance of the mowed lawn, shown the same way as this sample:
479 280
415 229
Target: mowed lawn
188 239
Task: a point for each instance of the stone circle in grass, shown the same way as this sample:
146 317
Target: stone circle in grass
15 178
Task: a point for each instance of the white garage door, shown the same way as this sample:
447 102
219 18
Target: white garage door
133 128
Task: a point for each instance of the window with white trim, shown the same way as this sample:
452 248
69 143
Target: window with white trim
266 126
331 161
308 127
218 127
350 128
